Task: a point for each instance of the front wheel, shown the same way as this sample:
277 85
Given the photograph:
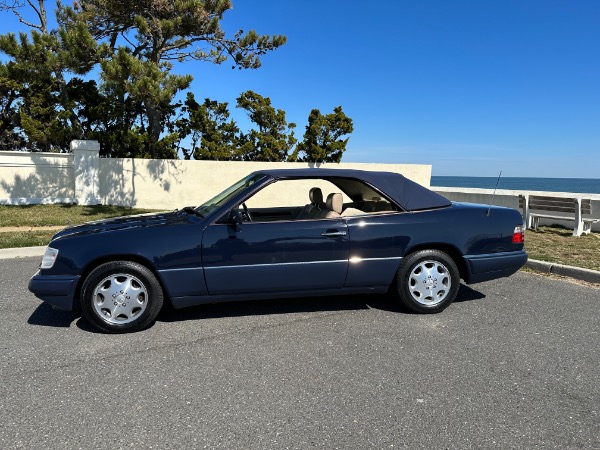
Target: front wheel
121 297
427 281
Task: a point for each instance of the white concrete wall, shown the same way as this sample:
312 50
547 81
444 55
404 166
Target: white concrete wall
173 184
84 178
30 178
510 198
86 162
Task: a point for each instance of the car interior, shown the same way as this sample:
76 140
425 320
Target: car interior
345 197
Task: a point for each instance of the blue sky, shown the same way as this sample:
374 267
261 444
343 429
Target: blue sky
470 87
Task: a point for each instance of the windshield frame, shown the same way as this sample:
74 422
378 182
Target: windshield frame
222 198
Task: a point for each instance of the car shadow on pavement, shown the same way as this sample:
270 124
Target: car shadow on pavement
264 307
299 305
467 293
44 315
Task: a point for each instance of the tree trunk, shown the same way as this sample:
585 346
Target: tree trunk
64 96
154 128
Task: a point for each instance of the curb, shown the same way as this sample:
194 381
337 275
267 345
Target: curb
591 276
22 252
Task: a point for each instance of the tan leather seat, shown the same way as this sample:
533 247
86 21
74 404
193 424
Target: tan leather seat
334 205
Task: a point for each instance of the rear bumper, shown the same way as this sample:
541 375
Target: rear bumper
59 291
494 265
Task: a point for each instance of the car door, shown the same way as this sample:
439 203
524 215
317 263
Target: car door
279 256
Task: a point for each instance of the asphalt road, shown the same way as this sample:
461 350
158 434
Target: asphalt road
514 363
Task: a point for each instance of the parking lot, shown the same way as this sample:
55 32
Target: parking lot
514 363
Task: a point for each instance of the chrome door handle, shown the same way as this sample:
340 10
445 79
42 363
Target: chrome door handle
334 233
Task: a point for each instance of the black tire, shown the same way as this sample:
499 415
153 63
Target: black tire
427 281
121 297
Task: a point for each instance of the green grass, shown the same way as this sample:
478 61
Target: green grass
558 245
32 238
63 215
52 215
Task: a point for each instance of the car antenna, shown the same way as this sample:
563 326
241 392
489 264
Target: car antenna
493 195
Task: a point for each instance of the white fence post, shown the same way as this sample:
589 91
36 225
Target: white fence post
86 163
526 217
578 222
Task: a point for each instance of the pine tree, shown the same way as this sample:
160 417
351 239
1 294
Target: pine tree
145 37
274 137
214 135
10 88
40 63
322 140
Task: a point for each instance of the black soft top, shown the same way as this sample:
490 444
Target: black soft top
406 193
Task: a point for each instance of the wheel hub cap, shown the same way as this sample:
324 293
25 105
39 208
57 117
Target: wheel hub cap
120 298
429 282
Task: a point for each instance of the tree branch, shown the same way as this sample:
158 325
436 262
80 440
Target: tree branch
14 8
41 13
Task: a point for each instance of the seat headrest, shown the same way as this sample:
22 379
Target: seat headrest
316 196
335 202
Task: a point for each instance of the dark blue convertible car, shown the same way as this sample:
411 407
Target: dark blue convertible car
277 234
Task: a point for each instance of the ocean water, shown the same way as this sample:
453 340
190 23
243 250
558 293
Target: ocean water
577 185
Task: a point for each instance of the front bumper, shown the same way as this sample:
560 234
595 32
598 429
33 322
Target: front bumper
494 265
59 291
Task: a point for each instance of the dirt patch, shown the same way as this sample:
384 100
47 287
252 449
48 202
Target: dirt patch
17 229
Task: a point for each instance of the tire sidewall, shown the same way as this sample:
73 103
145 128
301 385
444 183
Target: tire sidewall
155 296
406 268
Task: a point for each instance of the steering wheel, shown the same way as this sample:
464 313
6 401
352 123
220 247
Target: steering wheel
246 213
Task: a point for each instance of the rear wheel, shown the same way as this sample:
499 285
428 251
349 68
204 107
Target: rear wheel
121 297
427 281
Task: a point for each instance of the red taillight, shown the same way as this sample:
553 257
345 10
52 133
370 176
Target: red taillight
519 235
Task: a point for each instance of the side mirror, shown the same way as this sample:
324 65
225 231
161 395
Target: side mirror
236 217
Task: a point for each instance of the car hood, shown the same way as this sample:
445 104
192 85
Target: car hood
128 223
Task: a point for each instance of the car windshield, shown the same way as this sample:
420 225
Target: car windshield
220 199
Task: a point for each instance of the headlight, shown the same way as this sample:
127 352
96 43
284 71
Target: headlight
49 258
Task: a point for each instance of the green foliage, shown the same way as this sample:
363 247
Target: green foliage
214 136
135 43
143 37
39 63
149 88
44 128
159 30
274 138
133 108
323 137
37 105
10 139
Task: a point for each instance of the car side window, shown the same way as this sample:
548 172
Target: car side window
312 199
291 200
